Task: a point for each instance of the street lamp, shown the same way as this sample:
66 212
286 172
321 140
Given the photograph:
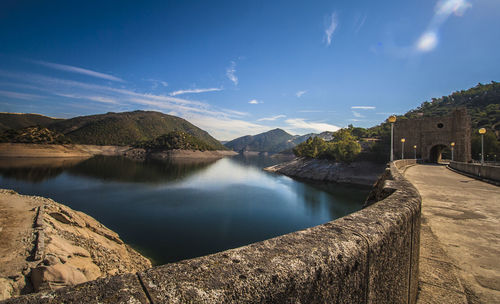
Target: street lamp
452 146
403 148
482 131
415 151
392 120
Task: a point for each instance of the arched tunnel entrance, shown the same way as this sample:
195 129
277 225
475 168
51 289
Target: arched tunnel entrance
439 152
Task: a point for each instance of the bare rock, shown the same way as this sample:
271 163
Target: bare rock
55 276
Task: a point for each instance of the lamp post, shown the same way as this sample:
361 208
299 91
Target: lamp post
403 148
392 120
482 131
452 146
415 151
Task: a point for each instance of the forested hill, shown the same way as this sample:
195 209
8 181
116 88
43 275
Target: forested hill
273 141
482 103
126 128
19 121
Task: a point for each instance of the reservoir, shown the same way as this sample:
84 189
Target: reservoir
174 210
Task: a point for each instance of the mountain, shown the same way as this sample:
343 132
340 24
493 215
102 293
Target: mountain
121 129
18 121
127 128
273 141
33 135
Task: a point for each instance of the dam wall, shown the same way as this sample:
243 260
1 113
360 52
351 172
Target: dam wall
370 256
484 172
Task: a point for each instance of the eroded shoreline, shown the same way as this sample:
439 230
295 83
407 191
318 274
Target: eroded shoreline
45 245
361 173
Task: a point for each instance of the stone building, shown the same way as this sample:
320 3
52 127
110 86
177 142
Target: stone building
432 135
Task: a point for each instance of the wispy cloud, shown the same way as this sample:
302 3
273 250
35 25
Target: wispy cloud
157 83
17 95
300 93
359 22
300 125
194 91
363 107
272 118
357 114
332 25
254 101
101 99
442 11
221 123
231 73
78 70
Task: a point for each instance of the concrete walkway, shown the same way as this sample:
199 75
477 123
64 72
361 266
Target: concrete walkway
460 237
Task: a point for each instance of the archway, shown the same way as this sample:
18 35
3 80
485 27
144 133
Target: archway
437 152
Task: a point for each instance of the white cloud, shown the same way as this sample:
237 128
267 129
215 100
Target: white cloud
357 114
78 70
333 23
300 125
231 73
427 42
272 118
254 101
300 93
363 107
194 91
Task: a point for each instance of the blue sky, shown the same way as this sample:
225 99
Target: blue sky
243 67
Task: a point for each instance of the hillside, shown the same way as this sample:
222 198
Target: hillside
33 135
273 141
177 140
127 128
18 121
482 103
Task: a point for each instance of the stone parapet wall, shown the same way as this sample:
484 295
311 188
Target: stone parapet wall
370 256
486 172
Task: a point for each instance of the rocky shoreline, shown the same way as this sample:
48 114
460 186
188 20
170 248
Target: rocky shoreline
45 245
361 173
18 150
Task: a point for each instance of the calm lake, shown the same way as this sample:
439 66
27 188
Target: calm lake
174 210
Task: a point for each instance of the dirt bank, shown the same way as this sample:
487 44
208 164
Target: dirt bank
67 151
45 245
362 173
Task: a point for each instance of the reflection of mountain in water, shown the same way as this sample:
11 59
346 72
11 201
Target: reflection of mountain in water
116 168
35 170
259 161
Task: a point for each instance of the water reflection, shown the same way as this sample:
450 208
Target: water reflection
122 169
173 210
36 170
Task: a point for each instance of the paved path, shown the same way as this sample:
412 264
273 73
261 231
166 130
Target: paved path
460 234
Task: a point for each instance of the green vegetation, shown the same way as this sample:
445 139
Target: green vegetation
177 140
273 141
127 128
342 148
33 135
18 121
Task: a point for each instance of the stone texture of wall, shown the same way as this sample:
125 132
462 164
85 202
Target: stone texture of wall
487 172
434 132
370 256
